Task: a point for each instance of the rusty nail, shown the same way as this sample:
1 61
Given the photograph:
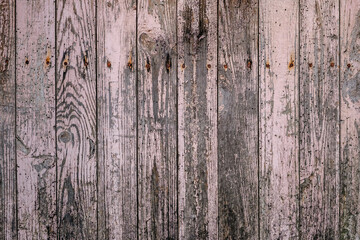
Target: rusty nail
267 65
183 66
332 64
108 64
349 65
27 61
208 66
310 65
249 63
225 67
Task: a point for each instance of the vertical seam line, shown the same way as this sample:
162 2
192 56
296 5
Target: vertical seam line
258 113
15 128
299 118
137 122
339 124
96 121
56 142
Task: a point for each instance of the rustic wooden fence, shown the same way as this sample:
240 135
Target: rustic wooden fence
188 119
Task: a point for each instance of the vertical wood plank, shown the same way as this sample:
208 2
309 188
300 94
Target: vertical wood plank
279 176
117 119
197 109
319 112
75 119
238 119
350 119
35 97
157 136
8 220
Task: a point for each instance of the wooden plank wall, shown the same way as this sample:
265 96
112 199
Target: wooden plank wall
179 119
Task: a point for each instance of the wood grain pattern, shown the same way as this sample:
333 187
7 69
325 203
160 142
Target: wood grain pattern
238 119
278 119
117 119
350 119
76 120
197 109
319 119
8 221
157 128
35 132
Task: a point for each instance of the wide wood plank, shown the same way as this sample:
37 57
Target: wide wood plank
75 119
8 222
319 123
279 176
35 132
350 119
238 119
157 136
197 109
116 30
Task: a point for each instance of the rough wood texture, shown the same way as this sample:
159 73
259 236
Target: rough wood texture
319 123
197 109
278 119
238 119
8 221
75 119
350 119
157 138
35 132
117 119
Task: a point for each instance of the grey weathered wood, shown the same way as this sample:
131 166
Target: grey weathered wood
279 176
319 124
8 222
157 138
238 119
350 119
76 120
116 31
197 109
35 132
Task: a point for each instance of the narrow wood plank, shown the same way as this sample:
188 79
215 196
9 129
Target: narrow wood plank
8 222
319 124
279 176
35 132
350 119
157 137
117 119
238 119
197 109
75 119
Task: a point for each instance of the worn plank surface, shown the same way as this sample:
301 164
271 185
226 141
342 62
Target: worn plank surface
76 119
188 119
8 221
350 119
319 123
278 166
35 132
117 119
157 128
197 109
238 119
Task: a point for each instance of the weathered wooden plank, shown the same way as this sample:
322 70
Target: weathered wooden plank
197 109
238 119
8 222
117 119
157 136
319 124
350 119
279 176
75 119
35 132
